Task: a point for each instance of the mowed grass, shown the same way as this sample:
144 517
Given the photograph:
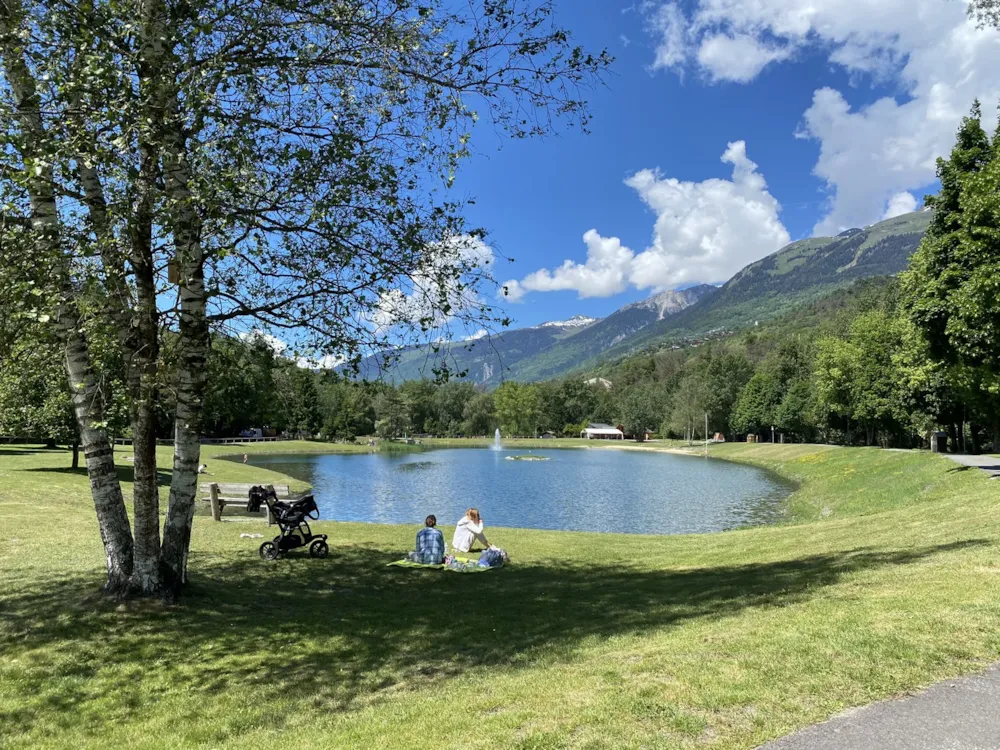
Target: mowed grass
885 578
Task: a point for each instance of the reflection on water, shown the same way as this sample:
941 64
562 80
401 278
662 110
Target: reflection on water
577 490
415 466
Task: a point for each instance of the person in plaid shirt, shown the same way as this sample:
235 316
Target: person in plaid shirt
430 543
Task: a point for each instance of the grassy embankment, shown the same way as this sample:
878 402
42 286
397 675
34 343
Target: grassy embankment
587 641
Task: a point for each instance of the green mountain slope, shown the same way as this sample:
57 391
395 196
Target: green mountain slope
490 360
798 273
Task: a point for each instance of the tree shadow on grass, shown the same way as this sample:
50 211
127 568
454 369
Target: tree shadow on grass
347 631
125 473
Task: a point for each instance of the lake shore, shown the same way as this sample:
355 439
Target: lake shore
888 581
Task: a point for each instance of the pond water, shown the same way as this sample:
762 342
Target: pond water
575 490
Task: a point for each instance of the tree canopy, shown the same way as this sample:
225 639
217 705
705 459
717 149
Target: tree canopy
176 167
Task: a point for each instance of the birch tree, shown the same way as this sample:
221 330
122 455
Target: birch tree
262 165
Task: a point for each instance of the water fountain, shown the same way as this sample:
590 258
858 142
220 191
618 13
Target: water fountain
496 440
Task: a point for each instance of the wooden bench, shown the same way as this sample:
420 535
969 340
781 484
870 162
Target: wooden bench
220 495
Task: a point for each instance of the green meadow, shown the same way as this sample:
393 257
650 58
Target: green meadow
884 577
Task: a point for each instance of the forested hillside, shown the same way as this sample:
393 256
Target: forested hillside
803 271
799 273
524 353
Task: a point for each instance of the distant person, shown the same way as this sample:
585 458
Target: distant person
203 469
430 543
469 530
245 458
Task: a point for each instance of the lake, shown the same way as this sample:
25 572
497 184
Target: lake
574 490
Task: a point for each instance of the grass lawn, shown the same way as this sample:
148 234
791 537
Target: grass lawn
885 578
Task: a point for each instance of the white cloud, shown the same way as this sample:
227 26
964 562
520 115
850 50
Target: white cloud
668 24
328 362
932 52
448 276
899 204
604 273
275 344
280 348
739 58
705 231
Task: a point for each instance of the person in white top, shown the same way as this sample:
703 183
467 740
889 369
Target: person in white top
469 530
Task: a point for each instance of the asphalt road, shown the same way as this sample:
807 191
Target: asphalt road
989 464
961 714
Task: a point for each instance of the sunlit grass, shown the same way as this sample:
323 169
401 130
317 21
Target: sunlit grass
586 641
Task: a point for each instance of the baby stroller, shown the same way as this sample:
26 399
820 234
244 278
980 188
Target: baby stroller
291 519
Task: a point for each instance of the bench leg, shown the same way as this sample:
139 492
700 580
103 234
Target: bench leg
216 503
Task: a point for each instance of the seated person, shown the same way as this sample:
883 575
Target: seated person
430 544
468 531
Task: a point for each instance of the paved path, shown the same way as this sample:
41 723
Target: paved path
989 464
962 714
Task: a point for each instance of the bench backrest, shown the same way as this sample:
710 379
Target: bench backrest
242 490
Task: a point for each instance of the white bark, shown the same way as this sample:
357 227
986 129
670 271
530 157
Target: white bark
105 487
193 341
98 452
138 335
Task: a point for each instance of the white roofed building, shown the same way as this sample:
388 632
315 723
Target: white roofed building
600 431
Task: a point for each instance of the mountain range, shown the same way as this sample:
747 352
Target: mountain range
795 275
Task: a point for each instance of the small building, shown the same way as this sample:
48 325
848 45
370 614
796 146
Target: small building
600 383
547 436
646 434
601 431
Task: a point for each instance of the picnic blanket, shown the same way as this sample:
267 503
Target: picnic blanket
469 565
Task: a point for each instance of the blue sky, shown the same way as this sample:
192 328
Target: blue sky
842 105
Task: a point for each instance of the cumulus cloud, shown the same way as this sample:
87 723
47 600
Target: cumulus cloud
604 273
328 362
899 204
929 49
737 58
280 348
276 345
704 231
448 278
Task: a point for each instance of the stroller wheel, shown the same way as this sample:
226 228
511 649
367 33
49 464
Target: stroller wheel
268 551
319 549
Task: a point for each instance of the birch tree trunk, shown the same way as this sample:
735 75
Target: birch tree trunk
139 336
105 487
99 455
192 350
143 387
193 343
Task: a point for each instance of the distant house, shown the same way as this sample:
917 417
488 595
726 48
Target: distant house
547 436
647 434
602 382
601 431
